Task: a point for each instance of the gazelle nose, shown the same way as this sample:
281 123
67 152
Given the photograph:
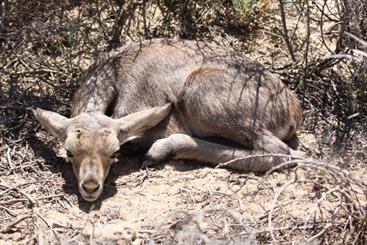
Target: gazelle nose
90 186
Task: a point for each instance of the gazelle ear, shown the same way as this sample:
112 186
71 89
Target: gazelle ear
54 122
136 123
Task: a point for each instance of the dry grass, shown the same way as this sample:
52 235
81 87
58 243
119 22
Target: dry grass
46 45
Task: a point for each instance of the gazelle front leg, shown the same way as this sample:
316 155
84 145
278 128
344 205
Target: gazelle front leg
166 149
182 146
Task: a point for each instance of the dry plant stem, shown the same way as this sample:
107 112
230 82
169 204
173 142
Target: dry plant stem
305 67
327 226
9 160
32 200
220 165
313 209
361 41
3 8
143 177
340 56
14 108
100 22
323 166
119 24
285 30
354 16
270 227
12 224
284 228
293 35
25 199
50 227
322 10
335 173
8 211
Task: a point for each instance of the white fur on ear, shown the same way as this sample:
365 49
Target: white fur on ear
54 122
136 123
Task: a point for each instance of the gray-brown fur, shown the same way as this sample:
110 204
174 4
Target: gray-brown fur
217 94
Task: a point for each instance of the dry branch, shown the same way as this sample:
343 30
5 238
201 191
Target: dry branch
9 227
285 30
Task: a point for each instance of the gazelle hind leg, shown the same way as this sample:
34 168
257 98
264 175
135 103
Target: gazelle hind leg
256 112
185 147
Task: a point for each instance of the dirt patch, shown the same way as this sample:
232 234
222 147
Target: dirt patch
183 202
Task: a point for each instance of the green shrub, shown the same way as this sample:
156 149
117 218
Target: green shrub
247 8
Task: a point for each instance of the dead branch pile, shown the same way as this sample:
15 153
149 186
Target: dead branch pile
328 65
329 207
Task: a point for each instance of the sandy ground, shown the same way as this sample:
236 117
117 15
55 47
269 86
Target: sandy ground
179 202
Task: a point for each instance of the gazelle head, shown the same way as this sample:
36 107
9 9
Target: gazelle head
92 141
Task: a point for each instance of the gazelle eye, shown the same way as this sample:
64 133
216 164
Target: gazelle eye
69 154
115 154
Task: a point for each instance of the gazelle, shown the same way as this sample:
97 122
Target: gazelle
181 99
